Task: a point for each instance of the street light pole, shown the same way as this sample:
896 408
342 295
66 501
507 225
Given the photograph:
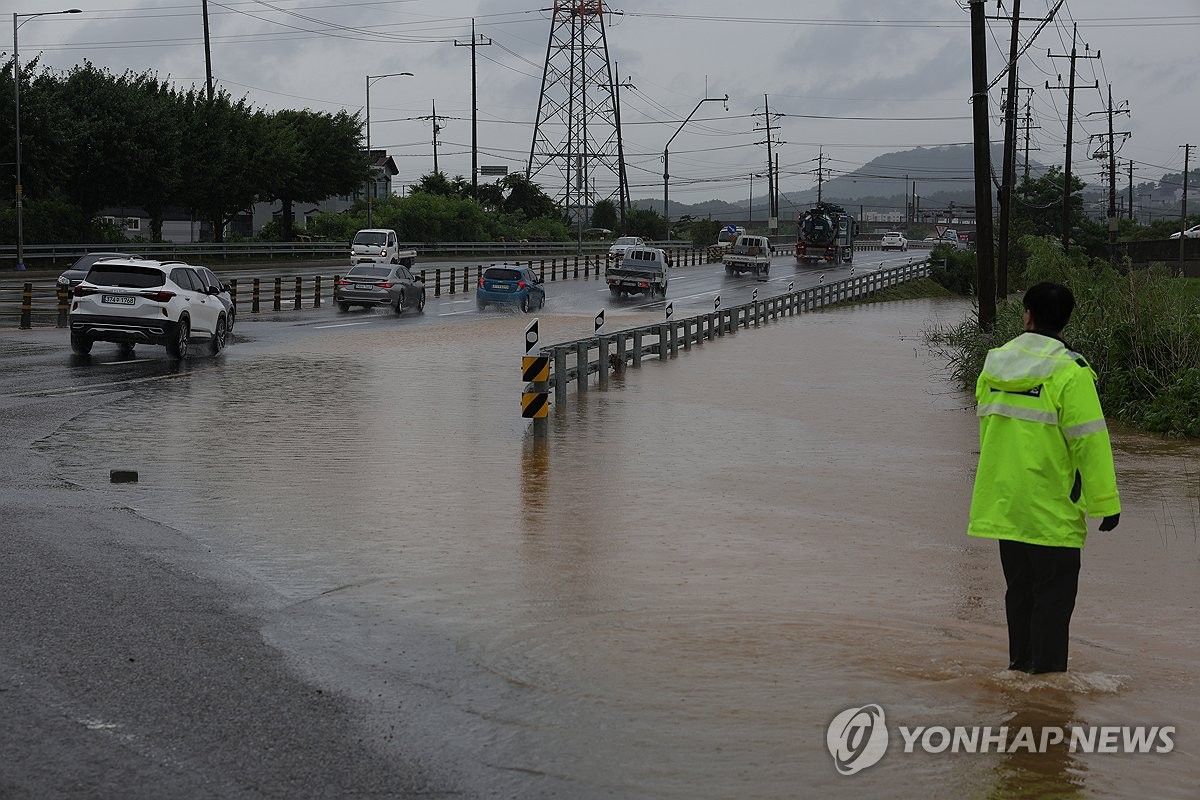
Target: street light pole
666 168
20 267
370 166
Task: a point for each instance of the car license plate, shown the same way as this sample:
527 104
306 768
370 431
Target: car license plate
496 287
118 300
363 286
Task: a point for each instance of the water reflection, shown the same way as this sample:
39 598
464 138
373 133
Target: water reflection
1056 773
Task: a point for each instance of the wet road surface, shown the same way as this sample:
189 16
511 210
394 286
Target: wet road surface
674 594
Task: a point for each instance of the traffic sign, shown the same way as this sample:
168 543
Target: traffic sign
754 296
670 310
531 336
535 405
717 303
791 286
600 321
535 369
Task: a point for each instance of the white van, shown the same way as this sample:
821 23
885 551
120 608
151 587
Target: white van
379 246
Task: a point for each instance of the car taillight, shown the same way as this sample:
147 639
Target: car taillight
161 296
385 286
520 284
83 291
481 283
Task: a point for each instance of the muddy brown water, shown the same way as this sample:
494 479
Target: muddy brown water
674 594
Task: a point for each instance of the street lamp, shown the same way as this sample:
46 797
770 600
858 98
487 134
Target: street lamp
17 109
371 172
666 147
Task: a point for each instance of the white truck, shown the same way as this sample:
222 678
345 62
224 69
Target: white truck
643 270
749 254
379 246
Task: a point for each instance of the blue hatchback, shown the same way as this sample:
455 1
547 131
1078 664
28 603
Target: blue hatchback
510 283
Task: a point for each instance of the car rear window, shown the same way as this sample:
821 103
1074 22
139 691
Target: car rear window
368 272
501 274
125 275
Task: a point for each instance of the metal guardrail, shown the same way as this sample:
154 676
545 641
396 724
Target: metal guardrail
663 339
45 304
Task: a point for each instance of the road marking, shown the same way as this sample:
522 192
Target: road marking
456 302
341 325
68 390
130 361
454 313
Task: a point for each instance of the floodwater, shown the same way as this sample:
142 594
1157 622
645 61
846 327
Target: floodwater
674 594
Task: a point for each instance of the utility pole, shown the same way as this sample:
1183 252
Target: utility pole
437 128
1028 126
207 51
1131 188
1066 209
772 178
1112 171
480 41
1008 173
1187 152
777 190
820 170
983 169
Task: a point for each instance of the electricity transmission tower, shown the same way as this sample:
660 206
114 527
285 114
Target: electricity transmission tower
576 138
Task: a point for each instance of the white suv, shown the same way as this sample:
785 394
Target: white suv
894 240
134 301
625 243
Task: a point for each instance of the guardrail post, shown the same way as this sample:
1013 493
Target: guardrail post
687 334
452 280
560 375
585 266
27 307
587 272
478 274
254 295
63 304
466 279
437 282
581 365
637 347
602 361
299 292
233 290
542 269
316 291
621 347
565 268
278 305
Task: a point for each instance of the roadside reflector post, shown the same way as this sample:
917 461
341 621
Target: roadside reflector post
317 291
233 290
297 303
437 282
278 304
27 307
62 306
581 366
535 373
602 360
453 285
542 268
255 295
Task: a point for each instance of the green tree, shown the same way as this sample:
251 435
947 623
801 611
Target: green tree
644 222
526 197
604 215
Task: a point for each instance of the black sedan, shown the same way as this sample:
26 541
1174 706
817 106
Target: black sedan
79 270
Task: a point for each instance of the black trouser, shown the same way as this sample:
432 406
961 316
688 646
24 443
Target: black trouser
1041 596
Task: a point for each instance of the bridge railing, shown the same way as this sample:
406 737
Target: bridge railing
575 361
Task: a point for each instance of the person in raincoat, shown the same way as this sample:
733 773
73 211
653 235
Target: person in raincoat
1045 466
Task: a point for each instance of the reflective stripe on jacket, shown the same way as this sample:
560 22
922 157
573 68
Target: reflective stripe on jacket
1040 424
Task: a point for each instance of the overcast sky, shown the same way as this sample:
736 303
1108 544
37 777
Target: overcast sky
883 61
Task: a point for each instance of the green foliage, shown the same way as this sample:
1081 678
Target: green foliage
954 270
644 222
1139 331
704 232
271 231
605 215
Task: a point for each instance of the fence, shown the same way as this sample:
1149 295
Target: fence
46 304
663 339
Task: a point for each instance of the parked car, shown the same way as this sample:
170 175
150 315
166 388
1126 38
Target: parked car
379 285
79 270
619 247
894 240
1191 233
510 283
135 301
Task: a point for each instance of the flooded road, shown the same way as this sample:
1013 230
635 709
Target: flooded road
674 594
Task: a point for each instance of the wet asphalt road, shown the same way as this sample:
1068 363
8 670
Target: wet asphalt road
110 617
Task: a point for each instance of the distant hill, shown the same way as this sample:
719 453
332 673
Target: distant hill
942 175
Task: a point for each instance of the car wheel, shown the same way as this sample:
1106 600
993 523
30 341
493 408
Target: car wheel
399 307
232 320
480 305
218 340
80 343
421 302
343 307
178 347
526 306
542 301
615 291
728 270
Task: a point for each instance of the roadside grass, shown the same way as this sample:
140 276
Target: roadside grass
918 289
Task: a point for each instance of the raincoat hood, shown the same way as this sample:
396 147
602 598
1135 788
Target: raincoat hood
1026 362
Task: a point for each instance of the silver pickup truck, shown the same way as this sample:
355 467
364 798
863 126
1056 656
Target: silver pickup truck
641 270
749 254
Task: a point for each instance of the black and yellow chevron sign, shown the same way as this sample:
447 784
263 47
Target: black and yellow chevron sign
535 405
535 369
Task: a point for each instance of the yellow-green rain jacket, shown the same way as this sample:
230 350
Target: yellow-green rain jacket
1040 424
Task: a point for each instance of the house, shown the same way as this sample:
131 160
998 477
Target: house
178 225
